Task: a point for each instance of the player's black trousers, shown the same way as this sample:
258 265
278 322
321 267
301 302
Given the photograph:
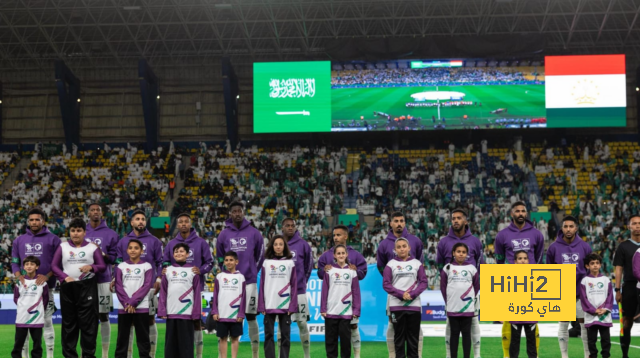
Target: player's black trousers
406 325
179 338
79 308
605 341
140 322
21 337
530 334
334 329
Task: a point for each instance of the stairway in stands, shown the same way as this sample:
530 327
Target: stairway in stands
353 172
11 179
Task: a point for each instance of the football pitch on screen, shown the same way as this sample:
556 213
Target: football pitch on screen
433 346
520 101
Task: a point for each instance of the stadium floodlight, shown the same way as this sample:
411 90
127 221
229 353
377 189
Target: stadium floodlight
132 8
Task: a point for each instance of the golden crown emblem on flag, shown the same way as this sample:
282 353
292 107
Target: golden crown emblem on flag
585 92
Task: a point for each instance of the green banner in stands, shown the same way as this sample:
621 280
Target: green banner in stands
346 219
158 222
536 216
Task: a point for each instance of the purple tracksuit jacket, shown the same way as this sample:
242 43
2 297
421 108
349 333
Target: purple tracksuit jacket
353 256
152 250
248 243
444 253
42 245
511 240
199 253
386 248
574 253
303 258
107 239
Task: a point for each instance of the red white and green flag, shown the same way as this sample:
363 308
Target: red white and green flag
586 91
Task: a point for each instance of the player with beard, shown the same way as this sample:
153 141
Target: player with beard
569 248
106 239
520 235
386 253
627 283
460 233
357 263
247 242
152 253
303 259
199 256
38 241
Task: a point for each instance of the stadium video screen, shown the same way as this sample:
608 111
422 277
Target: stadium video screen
561 92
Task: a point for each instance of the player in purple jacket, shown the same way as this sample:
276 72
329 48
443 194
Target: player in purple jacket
247 242
38 241
459 232
153 255
356 262
99 233
519 235
303 260
199 256
569 248
385 253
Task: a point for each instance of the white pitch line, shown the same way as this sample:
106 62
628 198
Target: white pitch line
638 347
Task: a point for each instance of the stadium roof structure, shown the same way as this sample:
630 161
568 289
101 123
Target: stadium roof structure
115 33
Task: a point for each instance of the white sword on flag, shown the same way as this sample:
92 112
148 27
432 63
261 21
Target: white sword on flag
303 112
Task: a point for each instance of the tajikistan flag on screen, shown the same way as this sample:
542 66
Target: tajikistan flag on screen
585 91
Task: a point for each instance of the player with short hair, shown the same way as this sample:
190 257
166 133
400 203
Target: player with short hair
303 260
199 256
357 263
107 240
246 241
385 253
460 233
38 241
627 284
152 253
520 235
569 248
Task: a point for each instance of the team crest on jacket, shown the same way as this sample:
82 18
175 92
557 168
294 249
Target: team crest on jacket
570 258
95 240
33 248
520 244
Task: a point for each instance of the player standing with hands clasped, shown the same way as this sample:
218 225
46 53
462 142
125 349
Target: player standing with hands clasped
199 256
404 280
303 260
229 296
247 242
151 253
357 263
340 303
520 235
596 297
385 253
460 233
569 248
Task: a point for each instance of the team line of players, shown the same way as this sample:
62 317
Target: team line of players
404 279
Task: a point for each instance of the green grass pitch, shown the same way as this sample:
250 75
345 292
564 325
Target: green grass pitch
521 101
433 347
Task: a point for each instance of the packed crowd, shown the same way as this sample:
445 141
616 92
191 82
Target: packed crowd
312 185
429 76
121 179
